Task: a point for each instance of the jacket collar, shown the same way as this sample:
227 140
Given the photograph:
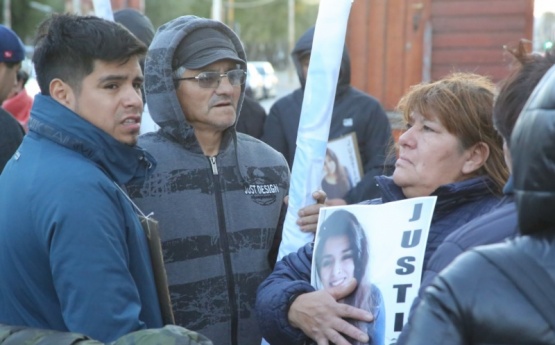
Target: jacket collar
508 189
59 124
448 195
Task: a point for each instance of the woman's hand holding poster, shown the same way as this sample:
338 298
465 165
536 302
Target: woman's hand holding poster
382 247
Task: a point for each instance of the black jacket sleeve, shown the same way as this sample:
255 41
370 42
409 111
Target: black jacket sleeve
11 136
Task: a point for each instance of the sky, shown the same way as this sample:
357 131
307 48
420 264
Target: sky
541 6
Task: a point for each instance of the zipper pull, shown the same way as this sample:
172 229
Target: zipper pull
213 164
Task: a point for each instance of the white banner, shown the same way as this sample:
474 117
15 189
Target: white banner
103 9
383 247
314 125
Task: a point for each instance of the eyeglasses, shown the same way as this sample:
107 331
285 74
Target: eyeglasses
211 80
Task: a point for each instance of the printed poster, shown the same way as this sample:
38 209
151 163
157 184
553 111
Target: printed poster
382 246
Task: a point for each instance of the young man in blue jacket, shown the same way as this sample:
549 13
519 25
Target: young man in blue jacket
74 256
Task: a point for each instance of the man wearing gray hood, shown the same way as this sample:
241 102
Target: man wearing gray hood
217 194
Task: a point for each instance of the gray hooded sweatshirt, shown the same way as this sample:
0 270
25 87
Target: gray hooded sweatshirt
218 215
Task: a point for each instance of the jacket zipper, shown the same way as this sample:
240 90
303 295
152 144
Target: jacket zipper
224 243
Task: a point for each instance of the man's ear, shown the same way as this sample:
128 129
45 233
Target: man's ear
62 92
476 158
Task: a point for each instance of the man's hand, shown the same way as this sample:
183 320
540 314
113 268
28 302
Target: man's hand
308 216
321 317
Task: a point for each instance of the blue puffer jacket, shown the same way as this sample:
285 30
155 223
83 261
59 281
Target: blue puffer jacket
74 254
457 203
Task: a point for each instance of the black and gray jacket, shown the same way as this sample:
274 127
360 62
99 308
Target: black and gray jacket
217 215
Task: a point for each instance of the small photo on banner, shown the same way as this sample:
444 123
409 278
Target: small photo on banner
382 247
342 166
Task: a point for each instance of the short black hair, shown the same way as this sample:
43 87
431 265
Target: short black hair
514 91
67 45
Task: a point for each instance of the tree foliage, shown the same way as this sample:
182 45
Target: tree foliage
265 29
262 25
25 19
162 11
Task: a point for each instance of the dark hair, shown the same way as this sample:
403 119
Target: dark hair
344 223
67 45
340 172
514 91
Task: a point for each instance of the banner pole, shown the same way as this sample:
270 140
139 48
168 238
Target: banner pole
314 125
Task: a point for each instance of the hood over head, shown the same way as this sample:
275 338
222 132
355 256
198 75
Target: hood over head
192 42
304 46
533 157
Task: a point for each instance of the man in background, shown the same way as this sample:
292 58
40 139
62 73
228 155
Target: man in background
252 117
353 111
12 53
19 102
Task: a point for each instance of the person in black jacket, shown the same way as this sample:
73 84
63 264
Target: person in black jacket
472 301
12 53
252 117
501 222
353 111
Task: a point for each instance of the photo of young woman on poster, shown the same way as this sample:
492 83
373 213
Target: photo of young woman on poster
341 253
336 182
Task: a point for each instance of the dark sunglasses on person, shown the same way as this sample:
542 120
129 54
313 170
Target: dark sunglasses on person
211 80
